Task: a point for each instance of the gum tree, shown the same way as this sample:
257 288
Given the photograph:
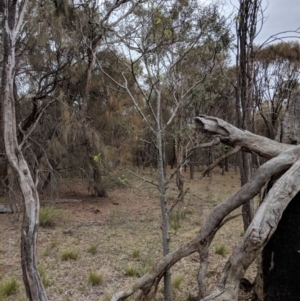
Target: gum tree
13 19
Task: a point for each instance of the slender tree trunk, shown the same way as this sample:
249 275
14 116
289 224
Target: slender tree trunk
179 159
13 20
163 199
246 31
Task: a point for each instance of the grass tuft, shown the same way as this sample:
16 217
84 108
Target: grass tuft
69 255
95 278
45 279
8 288
221 250
92 249
176 219
49 216
177 281
136 253
131 271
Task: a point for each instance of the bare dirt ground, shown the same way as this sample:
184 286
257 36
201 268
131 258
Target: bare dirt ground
124 229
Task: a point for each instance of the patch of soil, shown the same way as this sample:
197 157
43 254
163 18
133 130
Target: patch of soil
125 231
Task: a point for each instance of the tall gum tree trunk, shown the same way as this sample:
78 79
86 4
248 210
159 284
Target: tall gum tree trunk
13 13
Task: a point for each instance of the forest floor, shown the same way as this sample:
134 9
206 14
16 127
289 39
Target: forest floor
120 238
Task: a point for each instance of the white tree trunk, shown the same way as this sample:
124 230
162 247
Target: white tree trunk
13 20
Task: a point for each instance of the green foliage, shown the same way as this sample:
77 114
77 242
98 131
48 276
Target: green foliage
95 278
96 158
45 279
92 249
221 250
49 216
8 288
70 254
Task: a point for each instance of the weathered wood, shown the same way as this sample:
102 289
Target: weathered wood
280 163
258 234
230 135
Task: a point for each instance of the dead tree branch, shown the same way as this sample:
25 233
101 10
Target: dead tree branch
220 159
284 157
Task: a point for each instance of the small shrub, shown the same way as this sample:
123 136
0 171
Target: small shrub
95 278
49 216
221 250
131 271
177 281
136 253
43 275
8 288
92 249
69 255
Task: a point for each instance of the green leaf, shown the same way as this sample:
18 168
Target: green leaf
96 158
158 21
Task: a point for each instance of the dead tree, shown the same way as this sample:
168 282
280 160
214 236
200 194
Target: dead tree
283 163
246 24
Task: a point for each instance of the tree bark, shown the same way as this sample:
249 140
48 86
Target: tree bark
13 14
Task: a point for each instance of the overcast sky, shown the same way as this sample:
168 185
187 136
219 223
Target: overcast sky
282 15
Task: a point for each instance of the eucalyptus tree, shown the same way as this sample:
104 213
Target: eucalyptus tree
65 82
276 79
159 36
39 62
13 17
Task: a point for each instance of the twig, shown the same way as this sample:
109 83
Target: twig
217 161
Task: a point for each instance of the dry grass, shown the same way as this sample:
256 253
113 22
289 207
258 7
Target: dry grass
118 234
